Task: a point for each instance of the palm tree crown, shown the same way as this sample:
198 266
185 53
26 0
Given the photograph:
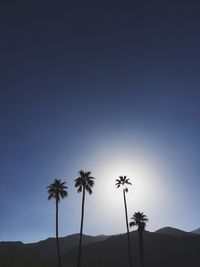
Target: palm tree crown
140 220
84 180
123 181
57 190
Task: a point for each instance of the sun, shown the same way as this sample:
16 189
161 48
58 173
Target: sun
142 195
146 194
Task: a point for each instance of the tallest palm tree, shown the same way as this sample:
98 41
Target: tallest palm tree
57 190
124 182
84 183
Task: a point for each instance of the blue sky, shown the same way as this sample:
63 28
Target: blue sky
109 88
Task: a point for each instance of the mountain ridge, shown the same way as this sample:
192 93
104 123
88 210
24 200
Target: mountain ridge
108 251
196 231
168 230
163 230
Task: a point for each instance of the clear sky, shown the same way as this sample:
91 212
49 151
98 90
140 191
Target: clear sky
112 87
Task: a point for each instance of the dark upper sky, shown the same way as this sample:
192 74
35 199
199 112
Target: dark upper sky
99 86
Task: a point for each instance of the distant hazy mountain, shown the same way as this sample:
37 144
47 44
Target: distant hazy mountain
108 251
197 231
48 246
173 232
27 255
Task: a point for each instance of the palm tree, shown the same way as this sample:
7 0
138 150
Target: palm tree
140 220
84 183
124 182
57 190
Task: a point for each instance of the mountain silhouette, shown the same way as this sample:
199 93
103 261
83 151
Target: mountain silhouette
161 249
18 254
173 232
197 231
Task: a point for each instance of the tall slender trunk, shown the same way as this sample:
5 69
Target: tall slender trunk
127 226
141 248
81 231
57 240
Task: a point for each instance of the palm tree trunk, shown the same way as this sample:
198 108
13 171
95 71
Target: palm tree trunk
127 226
141 248
57 240
81 231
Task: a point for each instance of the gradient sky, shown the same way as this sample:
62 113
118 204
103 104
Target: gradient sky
112 87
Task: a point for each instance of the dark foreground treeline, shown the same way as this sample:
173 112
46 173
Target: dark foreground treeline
161 250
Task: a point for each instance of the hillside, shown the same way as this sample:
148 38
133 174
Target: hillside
173 232
160 250
18 254
197 231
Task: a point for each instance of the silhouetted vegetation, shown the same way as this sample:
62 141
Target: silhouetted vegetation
124 182
105 251
84 183
139 219
57 190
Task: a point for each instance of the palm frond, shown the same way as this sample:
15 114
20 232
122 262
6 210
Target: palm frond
90 183
131 224
63 194
79 189
88 174
118 182
78 182
88 189
127 181
50 196
81 172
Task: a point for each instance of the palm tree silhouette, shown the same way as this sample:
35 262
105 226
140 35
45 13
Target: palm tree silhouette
57 190
139 220
124 182
84 183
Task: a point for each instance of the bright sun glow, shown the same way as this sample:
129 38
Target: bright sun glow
144 184
143 193
112 161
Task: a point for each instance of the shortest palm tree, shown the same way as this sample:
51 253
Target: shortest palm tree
57 190
139 220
